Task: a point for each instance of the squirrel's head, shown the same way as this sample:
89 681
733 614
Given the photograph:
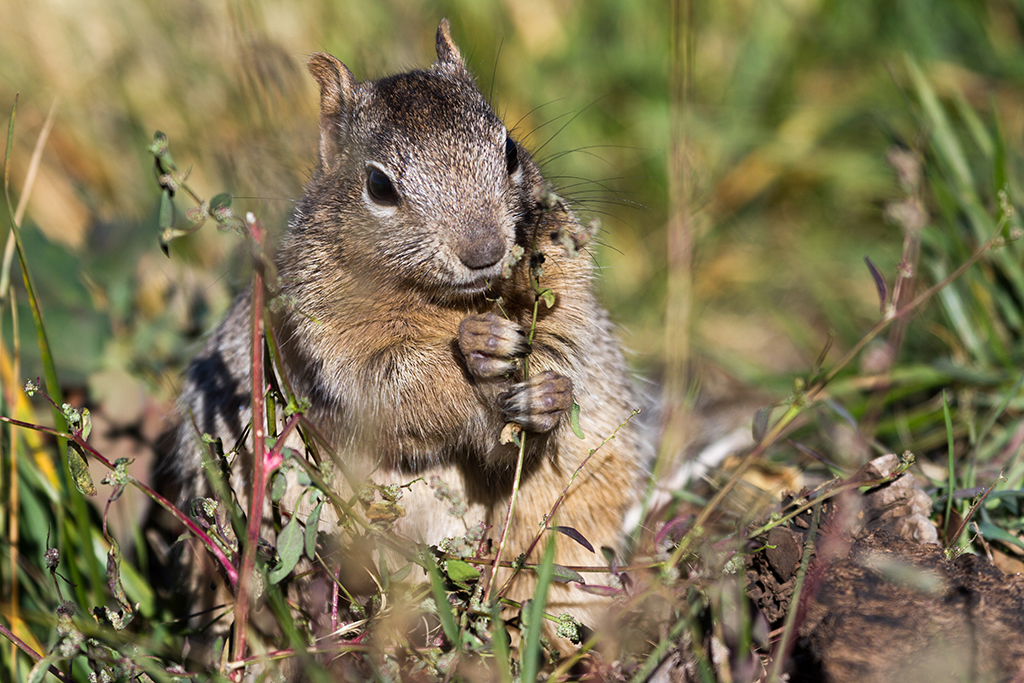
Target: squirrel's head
418 176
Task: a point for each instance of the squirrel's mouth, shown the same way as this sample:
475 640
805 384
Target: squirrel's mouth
470 292
477 286
478 280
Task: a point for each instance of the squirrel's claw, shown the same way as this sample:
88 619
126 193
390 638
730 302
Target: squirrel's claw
491 345
538 403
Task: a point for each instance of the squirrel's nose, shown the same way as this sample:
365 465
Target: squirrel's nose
479 253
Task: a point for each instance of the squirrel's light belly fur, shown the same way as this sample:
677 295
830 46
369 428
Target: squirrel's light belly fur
405 324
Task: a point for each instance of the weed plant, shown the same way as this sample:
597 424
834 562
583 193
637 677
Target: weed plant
938 374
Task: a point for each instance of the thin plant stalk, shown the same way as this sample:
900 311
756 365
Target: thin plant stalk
13 512
561 497
519 470
49 369
680 232
508 515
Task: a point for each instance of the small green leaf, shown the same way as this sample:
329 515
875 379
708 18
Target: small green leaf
759 427
166 210
548 297
290 543
574 420
461 572
86 423
565 575
296 405
80 470
222 200
278 486
312 526
218 649
402 573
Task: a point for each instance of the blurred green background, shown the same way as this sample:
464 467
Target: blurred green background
791 110
794 103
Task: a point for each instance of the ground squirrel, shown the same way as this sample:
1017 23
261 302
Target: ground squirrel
404 322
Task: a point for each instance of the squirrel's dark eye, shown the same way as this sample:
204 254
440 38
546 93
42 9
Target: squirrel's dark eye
380 187
511 155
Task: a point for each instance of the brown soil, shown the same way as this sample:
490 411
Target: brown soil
877 604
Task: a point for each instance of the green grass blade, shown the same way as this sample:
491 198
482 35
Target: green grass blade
49 370
535 620
994 533
947 146
499 643
979 133
444 608
957 310
1000 409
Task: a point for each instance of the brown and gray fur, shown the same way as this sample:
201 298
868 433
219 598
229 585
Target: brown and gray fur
393 333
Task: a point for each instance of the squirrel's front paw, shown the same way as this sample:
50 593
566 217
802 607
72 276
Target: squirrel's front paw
491 345
538 403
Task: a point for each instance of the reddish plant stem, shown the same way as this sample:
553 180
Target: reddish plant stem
24 647
276 455
261 464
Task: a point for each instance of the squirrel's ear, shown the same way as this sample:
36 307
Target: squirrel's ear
337 93
447 51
